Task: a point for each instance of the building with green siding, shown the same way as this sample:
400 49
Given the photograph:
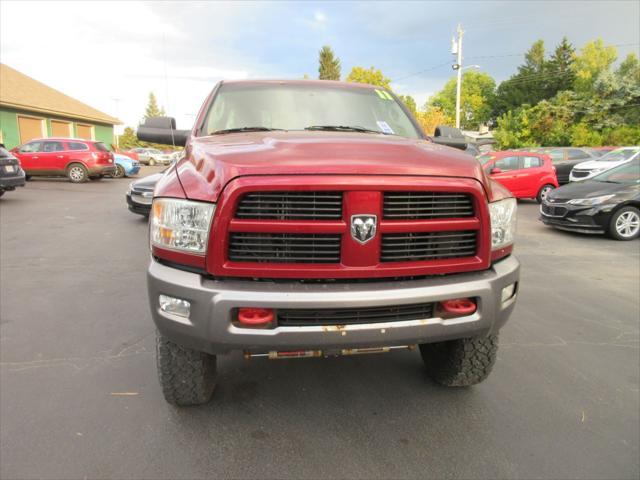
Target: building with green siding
30 109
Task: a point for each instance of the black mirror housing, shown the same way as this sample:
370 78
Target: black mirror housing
449 137
162 130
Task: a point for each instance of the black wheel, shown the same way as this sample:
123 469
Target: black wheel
96 177
1 192
27 177
543 192
187 377
77 173
625 224
460 363
119 172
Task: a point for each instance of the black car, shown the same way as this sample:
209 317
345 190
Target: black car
607 203
565 158
11 174
140 194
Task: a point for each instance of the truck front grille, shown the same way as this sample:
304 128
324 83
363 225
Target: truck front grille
291 206
350 316
426 205
284 248
413 247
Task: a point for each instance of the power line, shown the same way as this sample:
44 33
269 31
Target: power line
423 71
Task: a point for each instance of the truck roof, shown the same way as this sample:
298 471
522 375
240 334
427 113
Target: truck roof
334 83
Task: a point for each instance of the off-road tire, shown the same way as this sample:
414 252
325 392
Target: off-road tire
628 211
541 193
460 363
187 376
77 173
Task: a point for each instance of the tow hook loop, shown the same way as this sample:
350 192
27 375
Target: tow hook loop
255 317
459 306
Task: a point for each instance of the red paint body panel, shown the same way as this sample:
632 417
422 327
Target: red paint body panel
523 182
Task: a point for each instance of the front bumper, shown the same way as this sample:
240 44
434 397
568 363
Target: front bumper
576 218
137 207
209 326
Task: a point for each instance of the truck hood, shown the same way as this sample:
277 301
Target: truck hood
211 162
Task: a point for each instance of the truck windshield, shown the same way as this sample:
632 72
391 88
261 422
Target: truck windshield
277 106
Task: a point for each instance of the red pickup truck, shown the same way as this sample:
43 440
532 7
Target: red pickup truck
314 218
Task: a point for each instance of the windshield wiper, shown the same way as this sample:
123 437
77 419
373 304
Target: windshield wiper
243 129
342 128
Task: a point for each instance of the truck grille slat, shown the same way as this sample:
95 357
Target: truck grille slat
411 247
278 248
291 206
351 316
426 205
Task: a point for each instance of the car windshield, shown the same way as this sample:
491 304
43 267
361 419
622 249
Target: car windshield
153 150
619 155
627 173
330 107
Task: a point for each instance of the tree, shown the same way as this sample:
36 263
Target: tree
152 109
372 76
128 139
594 59
329 68
476 100
560 75
431 117
630 68
410 103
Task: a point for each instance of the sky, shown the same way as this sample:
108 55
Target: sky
110 55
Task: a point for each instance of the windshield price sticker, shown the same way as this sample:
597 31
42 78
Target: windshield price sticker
384 95
384 126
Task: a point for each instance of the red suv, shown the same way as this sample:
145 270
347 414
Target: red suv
525 174
74 158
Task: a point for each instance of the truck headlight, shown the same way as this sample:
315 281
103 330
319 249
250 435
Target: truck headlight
503 222
181 224
590 201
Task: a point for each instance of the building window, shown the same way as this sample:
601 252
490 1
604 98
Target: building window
86 132
30 128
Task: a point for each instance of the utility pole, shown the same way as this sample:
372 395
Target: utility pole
456 48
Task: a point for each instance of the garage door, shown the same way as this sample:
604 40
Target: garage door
60 129
30 128
84 131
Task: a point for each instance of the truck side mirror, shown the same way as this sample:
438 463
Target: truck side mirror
162 130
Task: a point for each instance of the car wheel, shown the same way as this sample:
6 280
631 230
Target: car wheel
543 192
77 173
152 162
120 173
27 177
1 192
462 362
625 224
187 376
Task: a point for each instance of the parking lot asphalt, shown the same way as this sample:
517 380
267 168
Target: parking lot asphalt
79 396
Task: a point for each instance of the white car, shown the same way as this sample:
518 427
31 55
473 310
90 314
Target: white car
585 170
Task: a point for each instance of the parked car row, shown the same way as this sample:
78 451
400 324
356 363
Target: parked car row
152 156
11 174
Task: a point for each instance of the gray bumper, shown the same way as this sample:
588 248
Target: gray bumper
209 326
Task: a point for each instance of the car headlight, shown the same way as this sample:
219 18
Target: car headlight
590 201
181 224
503 222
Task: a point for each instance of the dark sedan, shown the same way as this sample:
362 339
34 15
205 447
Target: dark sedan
140 194
11 174
607 203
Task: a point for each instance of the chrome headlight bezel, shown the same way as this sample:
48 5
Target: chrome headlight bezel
503 215
181 225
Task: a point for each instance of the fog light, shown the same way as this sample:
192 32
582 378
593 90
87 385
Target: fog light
508 292
175 306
